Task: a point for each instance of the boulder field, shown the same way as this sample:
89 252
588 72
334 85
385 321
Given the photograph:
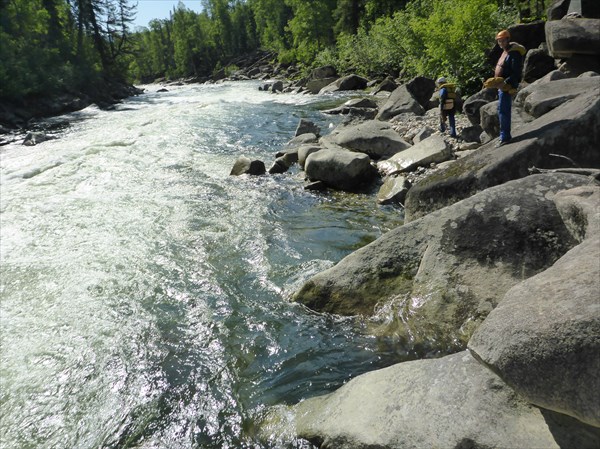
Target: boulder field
496 270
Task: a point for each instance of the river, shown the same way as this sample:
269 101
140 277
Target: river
145 293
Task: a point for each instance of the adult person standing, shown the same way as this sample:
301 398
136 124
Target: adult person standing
509 67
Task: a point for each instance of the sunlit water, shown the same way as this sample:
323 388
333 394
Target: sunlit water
145 292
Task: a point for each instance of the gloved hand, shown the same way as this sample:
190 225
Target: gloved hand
493 83
498 83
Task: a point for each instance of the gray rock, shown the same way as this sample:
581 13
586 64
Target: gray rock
244 165
349 82
566 130
422 134
276 86
527 90
393 190
375 138
475 102
343 170
302 139
304 151
307 127
432 149
361 103
314 86
543 339
548 96
34 138
573 36
451 402
471 133
589 74
558 9
284 161
323 72
444 272
387 85
422 89
538 63
530 35
358 107
401 100
578 64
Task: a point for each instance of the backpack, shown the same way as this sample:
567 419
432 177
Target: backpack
449 102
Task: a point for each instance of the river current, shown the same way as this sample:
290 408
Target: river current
145 293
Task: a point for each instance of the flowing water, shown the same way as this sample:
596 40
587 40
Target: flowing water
145 293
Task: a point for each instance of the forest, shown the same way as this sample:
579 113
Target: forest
53 46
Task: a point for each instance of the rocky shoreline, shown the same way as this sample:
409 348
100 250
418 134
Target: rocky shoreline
497 264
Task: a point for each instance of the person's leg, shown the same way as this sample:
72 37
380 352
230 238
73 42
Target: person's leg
442 121
504 107
452 124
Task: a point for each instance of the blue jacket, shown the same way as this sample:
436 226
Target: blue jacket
512 66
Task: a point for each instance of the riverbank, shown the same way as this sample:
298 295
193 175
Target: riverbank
22 115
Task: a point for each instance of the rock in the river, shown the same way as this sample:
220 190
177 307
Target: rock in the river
244 165
451 402
375 138
446 271
340 169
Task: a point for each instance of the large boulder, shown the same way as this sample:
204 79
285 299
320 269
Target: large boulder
570 130
538 63
573 36
530 35
548 96
558 9
527 90
475 102
451 402
323 72
339 169
544 337
375 138
422 89
432 149
400 101
349 82
314 86
387 85
444 272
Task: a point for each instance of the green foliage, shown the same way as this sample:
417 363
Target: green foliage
311 27
450 38
52 46
428 37
47 45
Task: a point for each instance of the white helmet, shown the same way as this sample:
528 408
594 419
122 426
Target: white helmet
441 80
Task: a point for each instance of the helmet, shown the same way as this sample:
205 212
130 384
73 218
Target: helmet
504 34
441 80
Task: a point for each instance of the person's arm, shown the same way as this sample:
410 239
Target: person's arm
443 96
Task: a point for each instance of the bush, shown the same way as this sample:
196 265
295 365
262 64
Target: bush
429 38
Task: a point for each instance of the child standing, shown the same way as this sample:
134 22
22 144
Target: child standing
447 104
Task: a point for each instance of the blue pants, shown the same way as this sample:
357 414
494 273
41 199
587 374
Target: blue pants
451 120
504 105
